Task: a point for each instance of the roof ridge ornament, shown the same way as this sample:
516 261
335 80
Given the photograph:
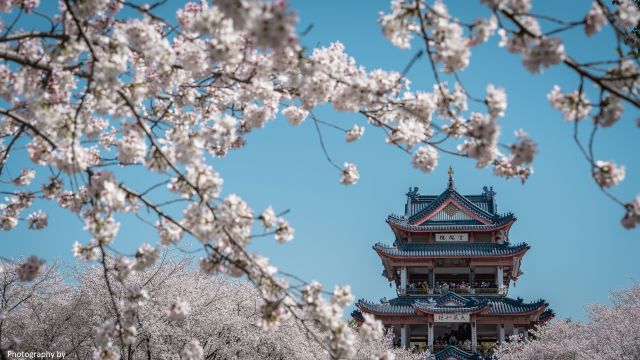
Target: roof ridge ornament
412 193
488 191
491 196
451 184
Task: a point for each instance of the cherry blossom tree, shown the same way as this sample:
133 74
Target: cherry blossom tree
102 86
612 332
173 310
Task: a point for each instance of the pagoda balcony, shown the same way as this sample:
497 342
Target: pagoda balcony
461 291
440 347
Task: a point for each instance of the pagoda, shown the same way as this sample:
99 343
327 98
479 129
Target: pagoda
452 263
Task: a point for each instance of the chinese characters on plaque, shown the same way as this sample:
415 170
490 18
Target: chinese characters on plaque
451 317
453 237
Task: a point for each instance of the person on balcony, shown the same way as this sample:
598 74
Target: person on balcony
467 345
425 287
453 340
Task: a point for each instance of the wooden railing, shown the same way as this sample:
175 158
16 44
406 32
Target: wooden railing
443 290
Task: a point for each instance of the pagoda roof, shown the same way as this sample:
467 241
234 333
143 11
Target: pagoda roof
398 306
454 303
450 193
546 316
452 352
450 211
402 222
357 315
472 308
451 303
432 250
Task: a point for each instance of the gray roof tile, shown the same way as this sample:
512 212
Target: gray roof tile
406 305
450 250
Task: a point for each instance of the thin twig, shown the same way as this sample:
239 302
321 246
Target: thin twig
324 149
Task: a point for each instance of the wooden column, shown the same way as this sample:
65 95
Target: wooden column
404 336
403 279
500 333
474 336
431 279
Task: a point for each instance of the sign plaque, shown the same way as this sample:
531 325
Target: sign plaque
458 237
451 318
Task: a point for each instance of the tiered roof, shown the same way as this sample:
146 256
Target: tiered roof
449 250
450 211
402 223
454 303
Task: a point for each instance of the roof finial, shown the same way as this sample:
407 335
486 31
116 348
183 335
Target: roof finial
451 184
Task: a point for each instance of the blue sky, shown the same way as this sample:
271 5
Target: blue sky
579 250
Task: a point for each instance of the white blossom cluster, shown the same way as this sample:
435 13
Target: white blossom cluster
425 158
632 215
579 340
355 133
575 105
628 13
608 173
595 20
328 314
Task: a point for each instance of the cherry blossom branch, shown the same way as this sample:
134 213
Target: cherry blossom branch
589 155
7 150
28 125
81 31
572 64
33 34
37 64
114 305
